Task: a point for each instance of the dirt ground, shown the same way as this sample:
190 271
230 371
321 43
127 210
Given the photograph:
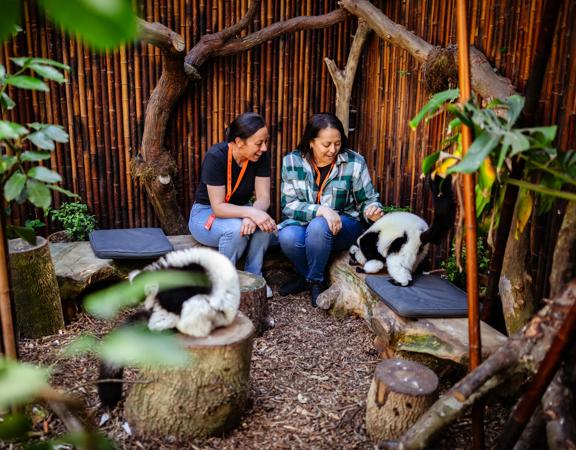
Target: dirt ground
310 376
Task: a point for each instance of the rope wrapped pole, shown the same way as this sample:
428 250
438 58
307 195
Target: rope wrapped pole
474 343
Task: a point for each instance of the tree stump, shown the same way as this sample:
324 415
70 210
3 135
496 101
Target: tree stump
400 393
205 398
253 301
36 294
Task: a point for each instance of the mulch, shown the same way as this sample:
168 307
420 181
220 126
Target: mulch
310 376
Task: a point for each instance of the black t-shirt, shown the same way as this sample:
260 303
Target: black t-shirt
214 169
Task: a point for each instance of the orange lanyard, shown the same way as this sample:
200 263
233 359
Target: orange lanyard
229 190
321 186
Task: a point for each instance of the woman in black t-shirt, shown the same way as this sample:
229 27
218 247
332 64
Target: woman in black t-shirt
232 172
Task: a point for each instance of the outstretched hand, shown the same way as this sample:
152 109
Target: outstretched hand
373 213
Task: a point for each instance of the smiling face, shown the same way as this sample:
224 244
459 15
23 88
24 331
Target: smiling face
254 146
326 146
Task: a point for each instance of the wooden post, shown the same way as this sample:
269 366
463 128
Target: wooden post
253 301
205 398
400 393
36 293
8 346
475 350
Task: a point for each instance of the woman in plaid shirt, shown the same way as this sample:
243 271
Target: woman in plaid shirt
325 188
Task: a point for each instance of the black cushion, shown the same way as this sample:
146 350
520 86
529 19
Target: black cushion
130 243
427 296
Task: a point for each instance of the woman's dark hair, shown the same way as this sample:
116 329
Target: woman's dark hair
244 126
317 123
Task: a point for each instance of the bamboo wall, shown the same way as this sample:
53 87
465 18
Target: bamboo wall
103 105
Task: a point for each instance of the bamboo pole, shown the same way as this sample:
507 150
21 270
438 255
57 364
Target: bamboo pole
6 317
475 352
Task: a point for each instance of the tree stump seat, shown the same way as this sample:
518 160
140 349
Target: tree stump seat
206 397
446 338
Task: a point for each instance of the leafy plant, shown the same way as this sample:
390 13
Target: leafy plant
453 269
497 141
390 208
75 219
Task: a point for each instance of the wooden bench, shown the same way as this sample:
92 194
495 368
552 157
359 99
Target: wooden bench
446 339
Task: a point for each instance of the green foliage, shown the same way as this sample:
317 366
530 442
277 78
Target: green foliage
102 24
20 382
455 273
497 142
75 219
391 208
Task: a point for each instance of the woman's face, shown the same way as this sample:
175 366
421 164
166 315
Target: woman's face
254 146
326 146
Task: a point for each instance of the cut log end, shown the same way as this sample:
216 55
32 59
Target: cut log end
253 301
400 393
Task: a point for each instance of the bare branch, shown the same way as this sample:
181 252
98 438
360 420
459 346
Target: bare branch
211 43
160 36
484 81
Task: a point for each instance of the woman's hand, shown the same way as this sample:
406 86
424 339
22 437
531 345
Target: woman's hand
262 220
248 227
332 217
373 213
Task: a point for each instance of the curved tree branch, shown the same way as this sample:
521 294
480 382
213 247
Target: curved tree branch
211 43
160 36
484 81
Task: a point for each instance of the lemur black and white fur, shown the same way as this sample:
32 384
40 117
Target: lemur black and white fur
192 310
401 239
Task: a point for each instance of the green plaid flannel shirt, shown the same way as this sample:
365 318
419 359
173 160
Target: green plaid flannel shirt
349 189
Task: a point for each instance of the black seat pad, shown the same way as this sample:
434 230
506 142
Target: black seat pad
130 243
427 296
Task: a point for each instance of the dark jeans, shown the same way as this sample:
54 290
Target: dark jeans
309 246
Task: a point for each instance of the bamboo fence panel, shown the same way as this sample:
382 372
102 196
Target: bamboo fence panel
103 105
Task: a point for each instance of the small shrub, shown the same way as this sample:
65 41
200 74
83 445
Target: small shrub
75 219
391 208
457 276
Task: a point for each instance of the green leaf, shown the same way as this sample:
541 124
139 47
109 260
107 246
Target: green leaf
544 135
38 194
14 186
502 154
478 151
48 72
26 61
44 174
106 303
461 116
517 141
515 105
28 234
101 24
27 82
34 156
138 346
41 140
433 105
9 17
429 162
11 130
56 132
6 102
15 427
20 382
57 188
6 163
81 345
2 71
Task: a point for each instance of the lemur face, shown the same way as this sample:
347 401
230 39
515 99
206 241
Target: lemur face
356 256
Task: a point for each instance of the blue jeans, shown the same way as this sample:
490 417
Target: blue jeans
309 247
225 235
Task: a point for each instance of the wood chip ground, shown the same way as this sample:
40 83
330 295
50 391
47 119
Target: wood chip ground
310 377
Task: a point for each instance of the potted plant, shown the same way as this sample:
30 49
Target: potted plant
75 219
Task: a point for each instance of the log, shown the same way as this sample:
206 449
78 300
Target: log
36 294
253 301
207 397
401 391
445 339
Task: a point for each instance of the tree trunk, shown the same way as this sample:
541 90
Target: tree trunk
253 301
36 293
344 79
515 286
205 398
400 393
